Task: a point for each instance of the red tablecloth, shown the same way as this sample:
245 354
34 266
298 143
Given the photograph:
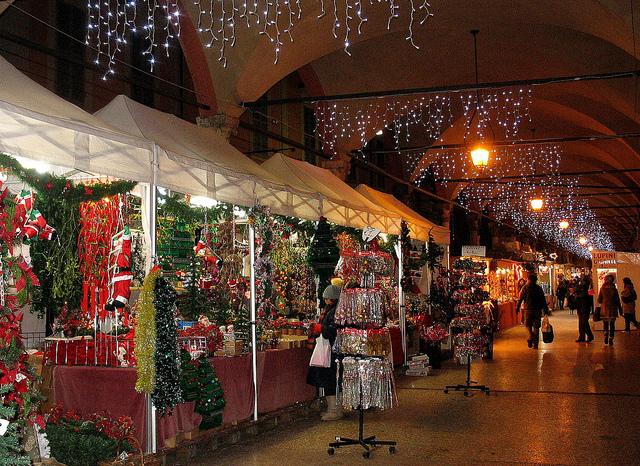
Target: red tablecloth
281 382
396 346
507 315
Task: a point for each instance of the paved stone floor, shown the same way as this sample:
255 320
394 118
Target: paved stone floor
566 404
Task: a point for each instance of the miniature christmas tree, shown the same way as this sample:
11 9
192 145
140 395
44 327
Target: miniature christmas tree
200 384
193 302
323 254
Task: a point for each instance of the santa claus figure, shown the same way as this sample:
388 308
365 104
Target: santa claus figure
121 280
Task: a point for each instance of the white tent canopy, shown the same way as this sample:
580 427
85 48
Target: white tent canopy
37 124
418 225
200 161
341 203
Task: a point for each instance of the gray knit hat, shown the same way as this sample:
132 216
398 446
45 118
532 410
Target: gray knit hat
331 292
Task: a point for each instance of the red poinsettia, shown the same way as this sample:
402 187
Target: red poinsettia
88 191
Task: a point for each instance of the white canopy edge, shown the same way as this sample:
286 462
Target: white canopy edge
198 161
37 124
341 204
419 226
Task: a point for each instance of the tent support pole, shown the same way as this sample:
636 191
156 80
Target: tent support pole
402 315
254 348
152 206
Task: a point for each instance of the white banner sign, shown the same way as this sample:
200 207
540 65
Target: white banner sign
476 251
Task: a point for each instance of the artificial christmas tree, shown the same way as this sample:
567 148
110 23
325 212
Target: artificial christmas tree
200 384
323 254
194 303
166 394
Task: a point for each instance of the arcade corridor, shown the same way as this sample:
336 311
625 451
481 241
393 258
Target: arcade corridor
566 404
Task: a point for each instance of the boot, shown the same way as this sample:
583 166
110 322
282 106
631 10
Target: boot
334 412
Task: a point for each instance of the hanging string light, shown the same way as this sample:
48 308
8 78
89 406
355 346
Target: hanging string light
112 22
340 123
275 19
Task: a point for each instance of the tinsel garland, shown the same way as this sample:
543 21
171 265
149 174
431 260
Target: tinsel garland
167 392
368 383
145 335
362 306
367 342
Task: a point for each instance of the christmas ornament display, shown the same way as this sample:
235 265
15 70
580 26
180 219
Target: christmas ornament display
362 306
368 342
367 383
468 281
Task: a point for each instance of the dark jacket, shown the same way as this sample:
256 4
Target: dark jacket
325 377
609 302
583 304
532 299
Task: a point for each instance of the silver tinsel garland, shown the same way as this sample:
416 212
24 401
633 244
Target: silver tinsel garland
368 383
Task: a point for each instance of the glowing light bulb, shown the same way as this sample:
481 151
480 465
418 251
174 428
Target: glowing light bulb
582 240
480 157
536 203
564 224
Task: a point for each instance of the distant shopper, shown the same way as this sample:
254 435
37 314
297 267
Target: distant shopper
584 309
610 307
629 297
534 303
561 292
325 377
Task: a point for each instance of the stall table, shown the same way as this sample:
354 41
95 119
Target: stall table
281 383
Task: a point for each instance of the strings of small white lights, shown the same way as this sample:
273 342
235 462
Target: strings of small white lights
509 199
111 22
427 115
276 19
520 160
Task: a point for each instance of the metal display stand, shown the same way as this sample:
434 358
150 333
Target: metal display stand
469 385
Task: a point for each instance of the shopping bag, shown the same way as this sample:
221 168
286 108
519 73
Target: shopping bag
596 314
321 356
547 330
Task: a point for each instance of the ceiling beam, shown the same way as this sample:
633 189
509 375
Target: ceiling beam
607 171
446 89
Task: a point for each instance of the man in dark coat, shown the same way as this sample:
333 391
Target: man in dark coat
534 303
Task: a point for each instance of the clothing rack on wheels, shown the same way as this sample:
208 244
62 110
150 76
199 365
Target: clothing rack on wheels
363 343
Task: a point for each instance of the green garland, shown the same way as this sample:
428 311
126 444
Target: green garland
166 393
56 262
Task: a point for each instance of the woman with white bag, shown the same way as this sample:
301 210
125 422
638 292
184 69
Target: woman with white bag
323 367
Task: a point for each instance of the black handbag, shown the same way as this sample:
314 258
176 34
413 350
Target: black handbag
596 314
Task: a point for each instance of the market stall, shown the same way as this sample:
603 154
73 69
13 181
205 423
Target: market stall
504 277
620 264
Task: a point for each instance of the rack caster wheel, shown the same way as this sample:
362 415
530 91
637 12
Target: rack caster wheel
331 451
366 454
392 450
467 394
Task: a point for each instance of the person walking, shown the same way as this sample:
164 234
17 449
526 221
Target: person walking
584 309
610 308
534 303
561 291
629 297
326 377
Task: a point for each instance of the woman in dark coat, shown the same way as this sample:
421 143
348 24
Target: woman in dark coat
325 377
610 307
629 297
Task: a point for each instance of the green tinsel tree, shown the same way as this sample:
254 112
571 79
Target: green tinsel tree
241 325
167 393
323 254
193 302
200 384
